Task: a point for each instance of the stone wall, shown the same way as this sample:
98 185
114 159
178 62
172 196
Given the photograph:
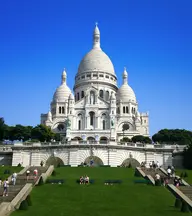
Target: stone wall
74 155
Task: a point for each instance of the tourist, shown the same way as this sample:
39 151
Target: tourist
150 164
42 163
14 177
157 165
157 179
86 179
27 174
5 187
81 180
169 172
35 173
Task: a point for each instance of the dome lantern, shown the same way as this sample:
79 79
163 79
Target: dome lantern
96 38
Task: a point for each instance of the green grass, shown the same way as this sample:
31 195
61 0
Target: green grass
12 170
72 199
187 179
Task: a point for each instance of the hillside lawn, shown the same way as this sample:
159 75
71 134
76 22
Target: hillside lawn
188 179
11 169
72 199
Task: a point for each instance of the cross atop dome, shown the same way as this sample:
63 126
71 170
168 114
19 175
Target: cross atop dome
125 75
96 37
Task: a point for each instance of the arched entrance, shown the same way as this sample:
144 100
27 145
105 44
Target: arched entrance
103 140
54 161
77 138
91 140
130 162
93 161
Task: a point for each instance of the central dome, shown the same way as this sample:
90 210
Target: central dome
96 60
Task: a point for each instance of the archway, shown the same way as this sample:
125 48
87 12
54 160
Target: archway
54 161
77 138
103 140
93 161
130 162
91 140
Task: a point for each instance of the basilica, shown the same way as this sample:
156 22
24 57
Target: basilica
97 110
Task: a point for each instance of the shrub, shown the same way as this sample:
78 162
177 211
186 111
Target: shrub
184 207
178 203
41 182
28 199
137 173
185 175
19 165
181 175
23 205
53 173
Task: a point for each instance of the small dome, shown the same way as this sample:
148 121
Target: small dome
62 93
96 60
126 93
71 97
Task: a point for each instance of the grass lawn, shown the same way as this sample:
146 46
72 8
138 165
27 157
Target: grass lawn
189 173
12 169
72 199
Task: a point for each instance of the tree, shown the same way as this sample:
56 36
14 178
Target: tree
125 139
42 133
2 128
140 138
173 136
187 155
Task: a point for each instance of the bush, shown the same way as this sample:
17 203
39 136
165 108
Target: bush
184 207
23 205
53 173
19 165
41 182
185 175
178 203
181 175
137 173
28 199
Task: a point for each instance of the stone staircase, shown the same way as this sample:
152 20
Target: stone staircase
152 172
187 191
13 190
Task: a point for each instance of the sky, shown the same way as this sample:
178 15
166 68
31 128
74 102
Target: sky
152 39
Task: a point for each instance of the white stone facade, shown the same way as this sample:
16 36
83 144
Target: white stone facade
74 154
98 110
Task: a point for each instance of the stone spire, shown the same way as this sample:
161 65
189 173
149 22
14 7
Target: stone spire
64 77
96 37
125 76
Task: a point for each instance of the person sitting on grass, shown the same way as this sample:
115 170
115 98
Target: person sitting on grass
81 180
86 179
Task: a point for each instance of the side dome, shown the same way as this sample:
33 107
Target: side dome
125 92
96 60
63 91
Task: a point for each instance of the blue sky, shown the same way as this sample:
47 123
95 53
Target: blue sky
151 38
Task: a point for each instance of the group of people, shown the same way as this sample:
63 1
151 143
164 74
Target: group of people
35 174
5 183
84 180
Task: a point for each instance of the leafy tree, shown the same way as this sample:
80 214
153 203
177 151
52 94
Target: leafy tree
2 128
125 139
187 155
140 138
173 136
42 133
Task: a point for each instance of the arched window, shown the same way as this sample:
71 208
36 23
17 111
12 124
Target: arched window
107 95
78 96
63 110
92 118
127 109
82 94
118 110
79 124
123 109
101 93
103 124
59 110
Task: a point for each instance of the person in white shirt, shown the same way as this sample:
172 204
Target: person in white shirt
27 174
5 187
14 177
86 179
169 172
